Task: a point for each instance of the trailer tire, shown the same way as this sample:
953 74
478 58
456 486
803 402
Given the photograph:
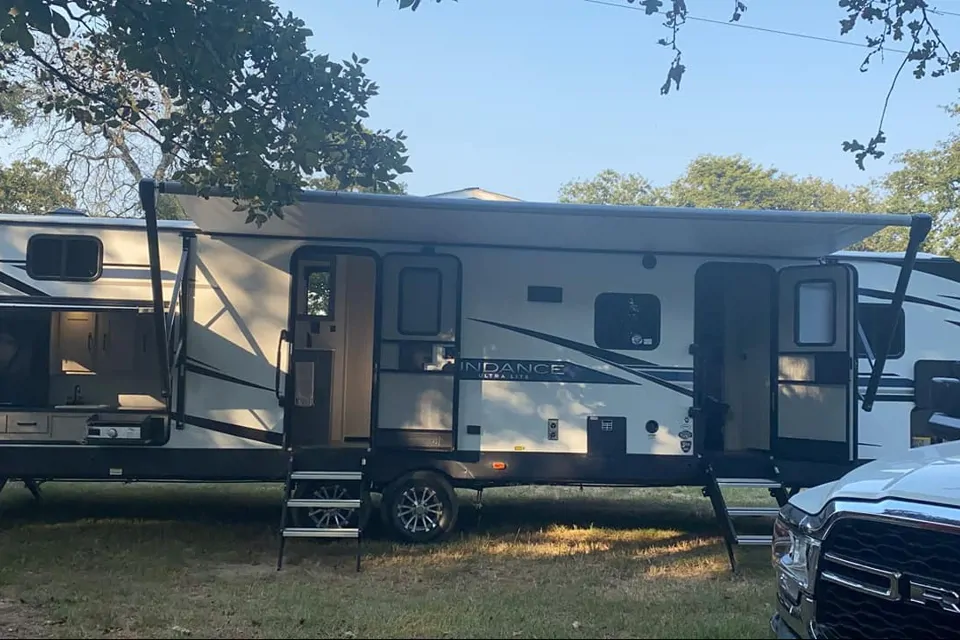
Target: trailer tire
420 507
329 518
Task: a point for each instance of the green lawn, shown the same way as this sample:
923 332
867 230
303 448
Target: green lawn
149 560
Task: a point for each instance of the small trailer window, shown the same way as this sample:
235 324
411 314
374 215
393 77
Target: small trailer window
319 289
420 301
816 320
56 257
875 319
627 321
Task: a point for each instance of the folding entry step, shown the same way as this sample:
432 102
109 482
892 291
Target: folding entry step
351 477
726 515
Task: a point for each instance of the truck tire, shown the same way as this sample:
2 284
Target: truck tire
420 507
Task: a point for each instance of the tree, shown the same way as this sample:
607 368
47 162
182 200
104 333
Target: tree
104 164
330 183
33 187
610 187
928 181
732 182
889 24
254 110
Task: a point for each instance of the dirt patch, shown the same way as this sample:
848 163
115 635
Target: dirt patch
18 620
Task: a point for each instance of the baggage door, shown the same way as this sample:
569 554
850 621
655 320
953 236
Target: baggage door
816 407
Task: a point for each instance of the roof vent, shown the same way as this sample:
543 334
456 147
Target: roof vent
67 211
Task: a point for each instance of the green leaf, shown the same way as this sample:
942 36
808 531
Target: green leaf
60 25
25 39
9 33
39 18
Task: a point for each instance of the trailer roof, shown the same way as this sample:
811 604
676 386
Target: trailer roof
415 219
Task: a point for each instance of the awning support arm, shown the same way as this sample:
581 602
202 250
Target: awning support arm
148 200
920 225
177 288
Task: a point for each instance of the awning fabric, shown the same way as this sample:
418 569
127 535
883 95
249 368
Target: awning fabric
424 220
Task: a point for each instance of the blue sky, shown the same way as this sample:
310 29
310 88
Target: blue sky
519 96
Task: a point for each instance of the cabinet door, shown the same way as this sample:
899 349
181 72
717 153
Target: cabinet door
117 335
78 335
145 345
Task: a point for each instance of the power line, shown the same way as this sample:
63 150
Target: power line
749 27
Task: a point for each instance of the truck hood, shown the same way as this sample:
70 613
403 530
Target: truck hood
927 474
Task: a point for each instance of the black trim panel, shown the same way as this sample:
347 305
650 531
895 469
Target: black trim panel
143 463
464 469
421 439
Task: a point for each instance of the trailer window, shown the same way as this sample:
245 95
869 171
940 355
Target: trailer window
319 291
875 319
816 309
56 257
627 321
420 301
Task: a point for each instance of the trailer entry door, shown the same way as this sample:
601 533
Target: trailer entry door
419 349
816 408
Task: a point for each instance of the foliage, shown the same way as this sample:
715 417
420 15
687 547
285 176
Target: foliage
254 110
887 22
330 183
610 187
33 187
104 164
928 181
732 182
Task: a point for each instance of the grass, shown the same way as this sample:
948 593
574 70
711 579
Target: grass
151 560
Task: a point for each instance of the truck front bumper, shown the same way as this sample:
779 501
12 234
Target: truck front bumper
794 621
781 630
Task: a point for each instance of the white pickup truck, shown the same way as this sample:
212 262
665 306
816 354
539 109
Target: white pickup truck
875 554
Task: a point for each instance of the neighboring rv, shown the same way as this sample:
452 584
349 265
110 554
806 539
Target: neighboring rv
436 343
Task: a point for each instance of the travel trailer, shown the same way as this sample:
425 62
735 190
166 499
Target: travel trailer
425 344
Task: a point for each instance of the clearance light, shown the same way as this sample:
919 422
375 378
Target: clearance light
499 466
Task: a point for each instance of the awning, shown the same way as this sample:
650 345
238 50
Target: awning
424 220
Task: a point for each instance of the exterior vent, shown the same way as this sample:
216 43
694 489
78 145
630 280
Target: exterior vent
67 211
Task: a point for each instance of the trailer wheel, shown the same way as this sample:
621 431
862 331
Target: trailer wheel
420 507
322 518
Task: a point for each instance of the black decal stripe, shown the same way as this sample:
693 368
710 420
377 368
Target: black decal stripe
663 383
246 433
625 363
595 352
535 371
22 287
886 295
201 363
210 373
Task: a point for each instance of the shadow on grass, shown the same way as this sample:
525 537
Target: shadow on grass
536 563
257 507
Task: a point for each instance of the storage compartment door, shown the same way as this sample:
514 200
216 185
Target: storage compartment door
816 408
418 377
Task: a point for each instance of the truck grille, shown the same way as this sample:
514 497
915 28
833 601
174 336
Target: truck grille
921 556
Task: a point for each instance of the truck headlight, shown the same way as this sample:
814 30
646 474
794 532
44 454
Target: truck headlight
793 554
